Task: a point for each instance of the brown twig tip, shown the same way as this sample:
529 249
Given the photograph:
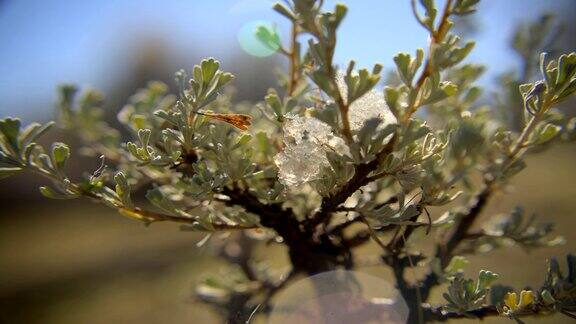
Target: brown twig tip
240 121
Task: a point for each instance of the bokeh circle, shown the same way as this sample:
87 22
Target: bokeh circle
250 43
339 296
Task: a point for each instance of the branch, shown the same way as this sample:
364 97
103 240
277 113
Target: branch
399 241
461 231
152 217
273 289
271 215
372 233
298 238
342 106
359 179
294 60
436 37
329 45
436 314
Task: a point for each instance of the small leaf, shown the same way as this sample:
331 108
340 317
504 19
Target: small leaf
244 139
281 9
223 79
402 61
7 172
547 133
391 95
486 278
134 214
10 127
268 37
547 297
144 136
274 103
52 194
60 154
33 132
123 190
449 89
566 69
209 68
323 82
526 298
511 301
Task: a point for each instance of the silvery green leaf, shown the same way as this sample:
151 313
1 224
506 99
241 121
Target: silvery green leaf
274 103
160 200
465 7
7 161
10 128
32 132
407 66
123 190
206 221
60 154
269 37
521 230
358 83
415 130
567 91
392 96
45 162
566 70
485 279
324 82
547 133
464 295
514 168
281 9
54 194
446 219
144 136
242 141
6 172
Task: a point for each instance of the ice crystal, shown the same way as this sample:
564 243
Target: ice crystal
306 140
371 105
306 129
300 163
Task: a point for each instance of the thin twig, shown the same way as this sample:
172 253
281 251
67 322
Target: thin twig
294 60
572 316
373 234
437 314
418 293
436 37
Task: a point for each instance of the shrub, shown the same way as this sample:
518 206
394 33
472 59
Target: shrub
327 163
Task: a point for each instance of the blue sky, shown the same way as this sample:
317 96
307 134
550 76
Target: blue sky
46 42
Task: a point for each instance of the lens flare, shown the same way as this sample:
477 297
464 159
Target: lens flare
339 297
250 43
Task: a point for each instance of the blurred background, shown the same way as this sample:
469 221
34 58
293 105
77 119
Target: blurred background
76 262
